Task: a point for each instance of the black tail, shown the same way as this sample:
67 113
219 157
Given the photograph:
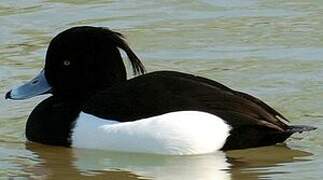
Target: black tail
255 136
299 128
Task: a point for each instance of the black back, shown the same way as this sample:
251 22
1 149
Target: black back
253 122
166 91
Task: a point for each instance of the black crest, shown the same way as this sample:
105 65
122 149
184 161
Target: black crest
119 40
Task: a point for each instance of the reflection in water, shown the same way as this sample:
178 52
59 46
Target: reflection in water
158 167
260 162
58 162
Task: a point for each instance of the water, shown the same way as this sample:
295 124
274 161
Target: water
272 49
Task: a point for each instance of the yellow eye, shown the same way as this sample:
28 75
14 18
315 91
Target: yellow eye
67 63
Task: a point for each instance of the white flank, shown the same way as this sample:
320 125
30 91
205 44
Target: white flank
175 133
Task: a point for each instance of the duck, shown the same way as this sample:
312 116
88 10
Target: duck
94 106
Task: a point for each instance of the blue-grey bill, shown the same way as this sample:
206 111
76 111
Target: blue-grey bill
35 87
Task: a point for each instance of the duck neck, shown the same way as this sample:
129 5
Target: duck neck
82 93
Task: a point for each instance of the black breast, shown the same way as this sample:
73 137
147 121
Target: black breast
51 122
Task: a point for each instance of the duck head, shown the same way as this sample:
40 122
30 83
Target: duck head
80 61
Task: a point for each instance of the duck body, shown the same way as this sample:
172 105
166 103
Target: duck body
163 112
181 114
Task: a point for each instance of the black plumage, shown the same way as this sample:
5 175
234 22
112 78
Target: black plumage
253 122
86 73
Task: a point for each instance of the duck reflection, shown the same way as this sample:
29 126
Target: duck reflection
58 163
264 162
62 163
204 167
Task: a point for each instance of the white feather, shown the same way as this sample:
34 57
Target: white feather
175 133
